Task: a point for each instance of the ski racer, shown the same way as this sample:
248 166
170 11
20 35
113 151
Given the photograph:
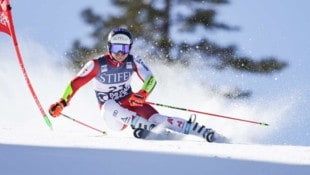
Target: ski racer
120 106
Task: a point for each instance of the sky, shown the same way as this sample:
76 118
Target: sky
274 28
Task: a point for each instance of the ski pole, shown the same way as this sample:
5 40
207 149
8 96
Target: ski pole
84 124
206 113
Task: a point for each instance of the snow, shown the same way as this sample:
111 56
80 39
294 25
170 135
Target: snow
58 152
67 153
28 146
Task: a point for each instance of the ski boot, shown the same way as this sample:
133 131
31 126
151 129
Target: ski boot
141 127
193 128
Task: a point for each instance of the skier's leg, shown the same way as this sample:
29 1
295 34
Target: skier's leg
143 113
173 123
182 126
116 117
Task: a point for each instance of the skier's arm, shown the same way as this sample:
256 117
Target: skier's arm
145 74
88 72
149 83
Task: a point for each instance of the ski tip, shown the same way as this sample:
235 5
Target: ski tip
264 124
104 133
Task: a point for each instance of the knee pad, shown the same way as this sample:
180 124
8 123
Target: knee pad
116 117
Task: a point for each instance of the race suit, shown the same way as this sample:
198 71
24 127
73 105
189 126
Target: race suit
112 79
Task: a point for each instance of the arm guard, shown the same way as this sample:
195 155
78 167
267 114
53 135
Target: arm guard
149 84
67 93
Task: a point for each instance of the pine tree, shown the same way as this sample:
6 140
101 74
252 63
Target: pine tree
157 27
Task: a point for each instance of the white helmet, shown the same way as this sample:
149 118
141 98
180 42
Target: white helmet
120 36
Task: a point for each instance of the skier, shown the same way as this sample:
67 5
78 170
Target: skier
120 107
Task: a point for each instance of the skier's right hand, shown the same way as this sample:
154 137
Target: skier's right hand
56 108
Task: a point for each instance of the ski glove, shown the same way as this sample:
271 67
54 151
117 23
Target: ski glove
56 108
137 99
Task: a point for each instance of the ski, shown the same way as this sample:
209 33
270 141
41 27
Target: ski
156 133
161 133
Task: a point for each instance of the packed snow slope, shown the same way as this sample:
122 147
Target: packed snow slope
28 146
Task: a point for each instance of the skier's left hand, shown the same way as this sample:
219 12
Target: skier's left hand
56 108
137 99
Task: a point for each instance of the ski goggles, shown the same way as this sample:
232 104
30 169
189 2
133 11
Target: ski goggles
120 48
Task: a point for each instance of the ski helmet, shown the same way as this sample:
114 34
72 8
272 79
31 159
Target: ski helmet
119 36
